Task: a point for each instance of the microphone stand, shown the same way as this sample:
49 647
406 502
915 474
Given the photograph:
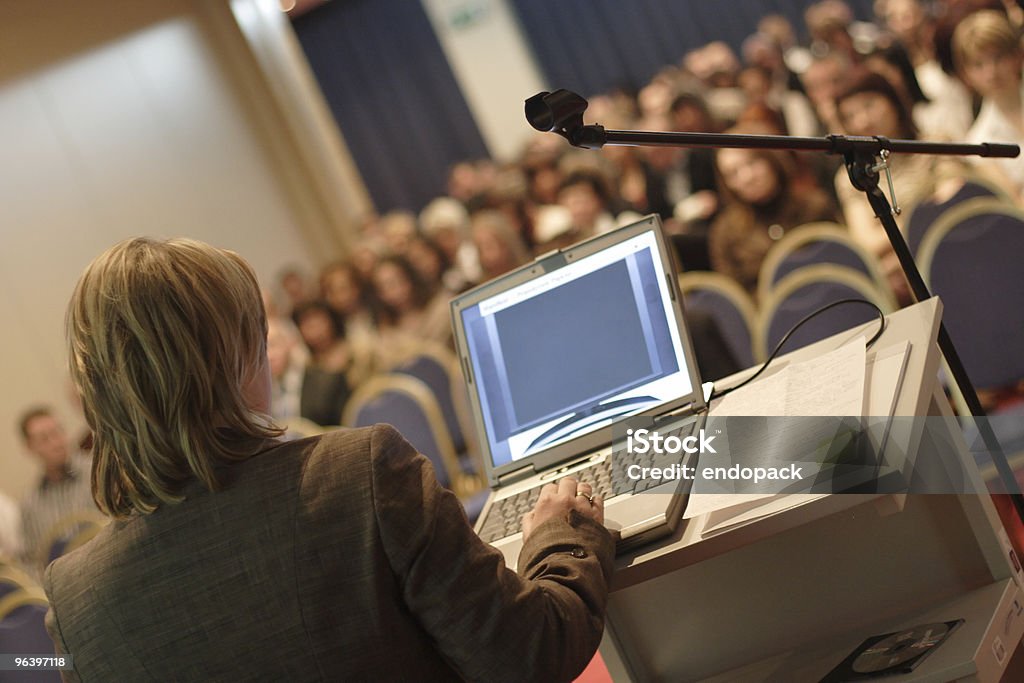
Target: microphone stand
561 112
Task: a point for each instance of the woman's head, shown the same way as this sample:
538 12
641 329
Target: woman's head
320 325
585 193
398 288
754 177
167 347
498 246
870 105
987 53
429 260
342 288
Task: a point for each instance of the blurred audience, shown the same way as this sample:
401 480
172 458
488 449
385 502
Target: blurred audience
988 54
763 197
922 70
64 485
10 530
325 383
497 244
407 311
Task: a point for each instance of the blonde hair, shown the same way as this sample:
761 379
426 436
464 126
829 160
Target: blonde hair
163 337
984 31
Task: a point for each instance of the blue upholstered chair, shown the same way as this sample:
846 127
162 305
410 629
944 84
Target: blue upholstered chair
815 244
973 258
23 631
408 405
801 293
927 211
728 304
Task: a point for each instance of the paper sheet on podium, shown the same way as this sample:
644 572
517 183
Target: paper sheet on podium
829 385
877 397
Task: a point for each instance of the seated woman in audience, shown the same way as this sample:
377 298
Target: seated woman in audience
585 193
763 197
235 556
870 105
348 295
989 57
287 357
946 113
332 370
408 313
431 262
498 246
446 221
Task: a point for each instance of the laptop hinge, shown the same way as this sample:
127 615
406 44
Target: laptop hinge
517 475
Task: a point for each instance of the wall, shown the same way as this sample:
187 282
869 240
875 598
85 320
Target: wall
127 118
493 65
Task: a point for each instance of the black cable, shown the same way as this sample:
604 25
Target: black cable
778 347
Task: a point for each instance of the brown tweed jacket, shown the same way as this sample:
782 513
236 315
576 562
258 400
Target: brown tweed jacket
327 559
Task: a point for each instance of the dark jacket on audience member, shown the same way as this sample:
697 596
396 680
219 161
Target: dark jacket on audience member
326 559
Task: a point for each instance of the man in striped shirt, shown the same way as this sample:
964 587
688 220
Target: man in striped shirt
63 490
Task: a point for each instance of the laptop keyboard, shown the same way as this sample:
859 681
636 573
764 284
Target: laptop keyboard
607 478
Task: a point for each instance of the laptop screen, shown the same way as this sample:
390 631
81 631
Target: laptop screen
586 341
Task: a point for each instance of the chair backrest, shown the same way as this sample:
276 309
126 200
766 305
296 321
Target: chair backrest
728 304
926 212
408 405
11 575
814 244
23 631
973 258
432 365
805 291
16 600
69 532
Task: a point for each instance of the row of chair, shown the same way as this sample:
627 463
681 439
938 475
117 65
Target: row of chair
23 608
810 267
970 253
424 397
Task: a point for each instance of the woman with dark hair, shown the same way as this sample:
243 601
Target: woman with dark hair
763 197
407 312
348 295
430 261
870 105
235 556
325 382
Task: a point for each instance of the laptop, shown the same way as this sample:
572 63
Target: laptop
557 352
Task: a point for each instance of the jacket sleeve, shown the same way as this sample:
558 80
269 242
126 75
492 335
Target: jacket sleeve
490 623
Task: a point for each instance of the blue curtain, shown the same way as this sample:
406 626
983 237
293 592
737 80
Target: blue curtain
593 46
393 95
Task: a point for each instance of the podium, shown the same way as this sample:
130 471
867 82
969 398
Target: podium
786 598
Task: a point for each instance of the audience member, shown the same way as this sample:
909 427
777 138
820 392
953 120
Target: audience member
326 383
407 313
446 221
431 262
762 199
496 242
870 105
398 228
339 551
10 530
348 295
585 193
947 111
989 57
63 488
287 357
294 287
828 23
